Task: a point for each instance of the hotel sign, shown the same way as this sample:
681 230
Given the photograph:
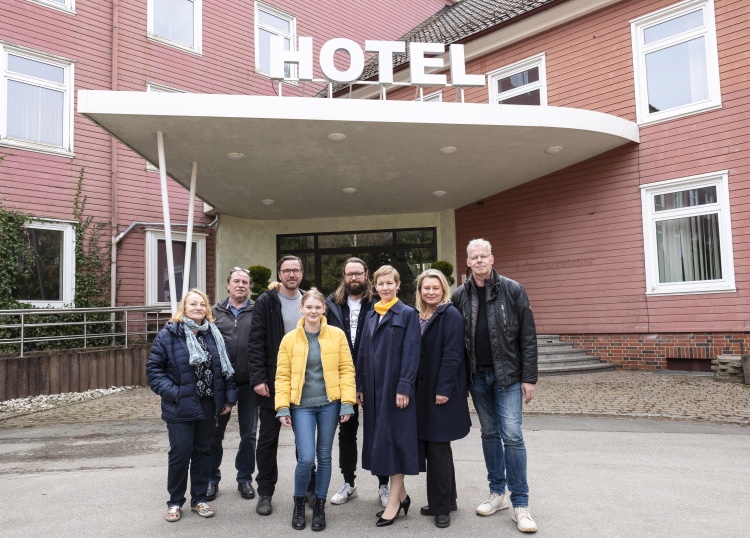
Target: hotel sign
423 57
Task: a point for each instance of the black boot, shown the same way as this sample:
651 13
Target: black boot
298 515
319 514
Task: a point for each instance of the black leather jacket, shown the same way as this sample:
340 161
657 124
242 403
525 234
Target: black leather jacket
512 329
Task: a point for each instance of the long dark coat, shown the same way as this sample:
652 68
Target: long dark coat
387 365
443 371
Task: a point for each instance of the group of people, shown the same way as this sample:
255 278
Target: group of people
301 360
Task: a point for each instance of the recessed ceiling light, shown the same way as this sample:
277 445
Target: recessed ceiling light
349 190
236 156
268 201
553 150
448 150
336 137
438 194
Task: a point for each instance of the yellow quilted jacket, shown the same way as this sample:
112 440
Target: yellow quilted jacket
338 367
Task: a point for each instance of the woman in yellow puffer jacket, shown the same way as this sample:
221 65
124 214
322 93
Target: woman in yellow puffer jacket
315 389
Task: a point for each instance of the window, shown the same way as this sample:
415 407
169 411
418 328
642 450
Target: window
523 83
434 97
46 267
675 61
271 21
687 235
37 101
176 22
157 274
410 251
62 5
155 87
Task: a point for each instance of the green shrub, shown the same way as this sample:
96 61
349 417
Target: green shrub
446 268
261 275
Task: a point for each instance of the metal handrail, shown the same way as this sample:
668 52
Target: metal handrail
125 324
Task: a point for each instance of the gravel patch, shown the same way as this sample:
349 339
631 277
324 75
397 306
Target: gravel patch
31 404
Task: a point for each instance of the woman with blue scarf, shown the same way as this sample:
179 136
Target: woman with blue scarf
189 368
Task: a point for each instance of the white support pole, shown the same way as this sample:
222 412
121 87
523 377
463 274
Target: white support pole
189 240
167 222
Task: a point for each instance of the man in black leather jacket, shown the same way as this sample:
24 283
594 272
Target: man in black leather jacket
500 345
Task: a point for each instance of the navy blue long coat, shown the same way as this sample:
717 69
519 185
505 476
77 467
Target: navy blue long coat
387 365
442 370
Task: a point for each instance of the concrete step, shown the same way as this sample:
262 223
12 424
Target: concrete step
583 359
570 369
556 357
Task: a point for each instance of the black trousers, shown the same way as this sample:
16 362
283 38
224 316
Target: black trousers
267 451
441 476
348 449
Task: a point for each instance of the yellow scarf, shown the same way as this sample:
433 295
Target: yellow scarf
382 309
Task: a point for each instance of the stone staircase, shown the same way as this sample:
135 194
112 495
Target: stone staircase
556 357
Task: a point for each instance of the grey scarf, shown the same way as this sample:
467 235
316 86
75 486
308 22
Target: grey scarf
196 353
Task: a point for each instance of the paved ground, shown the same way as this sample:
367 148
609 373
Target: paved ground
596 468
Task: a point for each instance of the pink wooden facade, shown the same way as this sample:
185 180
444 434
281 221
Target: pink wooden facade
575 239
108 43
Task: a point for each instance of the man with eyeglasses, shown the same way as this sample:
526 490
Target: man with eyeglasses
347 309
234 318
500 345
277 312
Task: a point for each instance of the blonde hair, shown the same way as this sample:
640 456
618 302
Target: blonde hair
313 293
431 273
179 315
384 271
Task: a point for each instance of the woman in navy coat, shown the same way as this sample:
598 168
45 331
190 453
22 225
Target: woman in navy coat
189 368
442 392
386 371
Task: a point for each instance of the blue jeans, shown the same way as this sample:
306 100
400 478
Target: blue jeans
500 410
247 416
190 449
304 422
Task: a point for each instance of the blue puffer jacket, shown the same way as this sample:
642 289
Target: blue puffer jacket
171 376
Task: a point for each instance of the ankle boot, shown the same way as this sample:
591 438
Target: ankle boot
319 514
298 515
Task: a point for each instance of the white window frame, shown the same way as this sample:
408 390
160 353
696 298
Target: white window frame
720 180
67 88
68 262
637 28
434 97
197 28
159 88
68 6
153 235
537 60
260 6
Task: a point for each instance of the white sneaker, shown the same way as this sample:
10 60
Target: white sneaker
383 492
522 516
494 502
344 494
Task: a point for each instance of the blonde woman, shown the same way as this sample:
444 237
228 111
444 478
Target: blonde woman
189 368
314 392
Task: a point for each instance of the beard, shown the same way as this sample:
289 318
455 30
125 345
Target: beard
354 288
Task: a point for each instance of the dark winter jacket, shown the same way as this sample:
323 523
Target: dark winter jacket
338 316
171 376
266 332
387 365
511 327
443 371
236 333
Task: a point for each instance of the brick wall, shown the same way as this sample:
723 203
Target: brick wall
647 351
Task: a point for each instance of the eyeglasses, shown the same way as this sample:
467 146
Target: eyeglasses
240 269
287 272
349 276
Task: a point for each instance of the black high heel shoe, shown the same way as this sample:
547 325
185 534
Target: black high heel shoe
405 504
383 522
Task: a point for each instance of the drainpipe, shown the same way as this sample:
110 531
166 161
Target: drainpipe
113 154
161 224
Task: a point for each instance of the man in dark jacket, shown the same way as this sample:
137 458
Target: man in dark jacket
276 312
500 345
233 318
347 309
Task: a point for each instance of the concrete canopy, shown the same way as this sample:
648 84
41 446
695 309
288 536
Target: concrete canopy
390 153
